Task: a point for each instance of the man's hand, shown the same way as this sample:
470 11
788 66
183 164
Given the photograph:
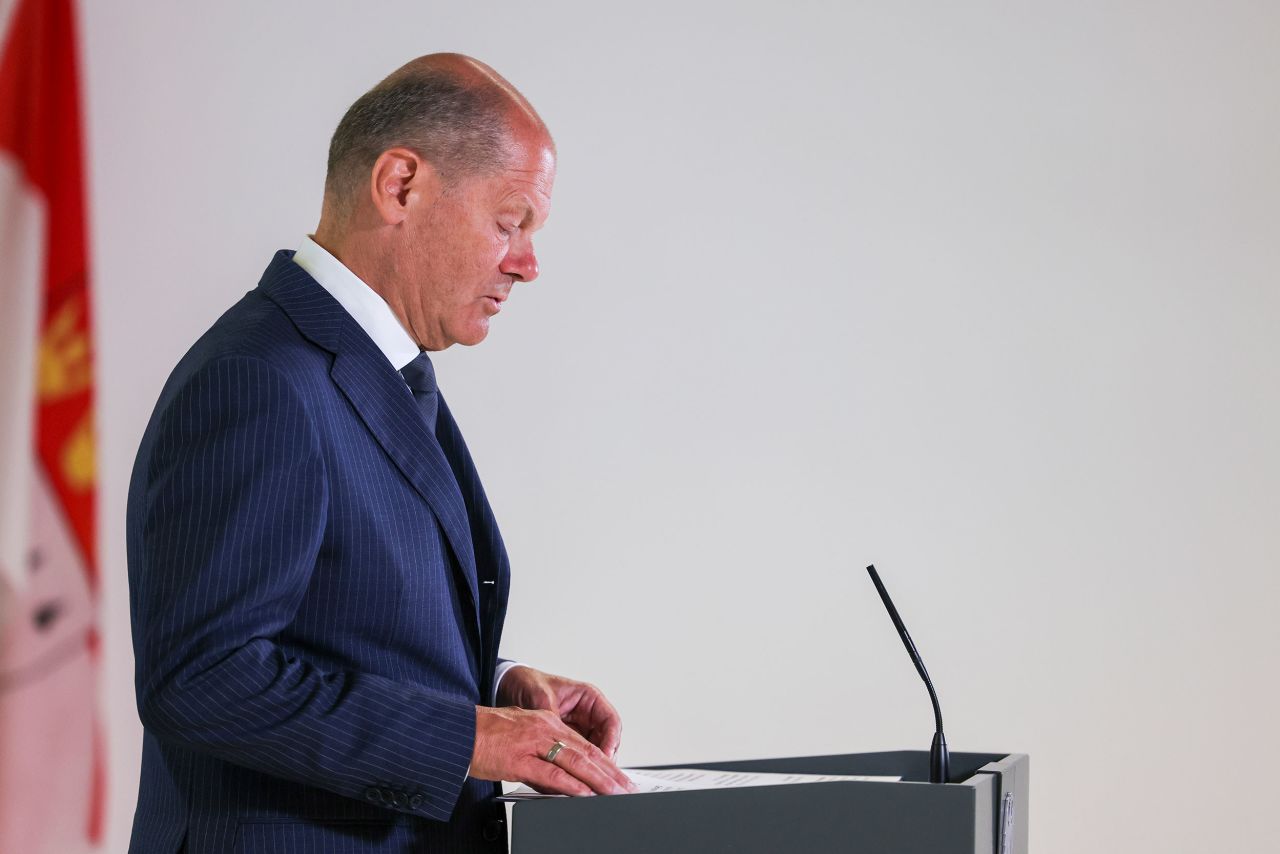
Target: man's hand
578 704
512 744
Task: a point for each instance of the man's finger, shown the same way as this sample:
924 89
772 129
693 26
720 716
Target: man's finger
597 772
602 744
604 724
603 762
575 761
608 736
552 779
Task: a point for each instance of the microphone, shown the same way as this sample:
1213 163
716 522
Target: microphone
939 758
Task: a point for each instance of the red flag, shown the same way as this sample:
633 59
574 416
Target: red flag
51 773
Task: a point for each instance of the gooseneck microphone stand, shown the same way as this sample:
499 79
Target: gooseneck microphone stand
939 758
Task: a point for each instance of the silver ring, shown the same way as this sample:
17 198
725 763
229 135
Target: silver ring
555 749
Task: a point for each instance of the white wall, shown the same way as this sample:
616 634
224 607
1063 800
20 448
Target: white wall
982 292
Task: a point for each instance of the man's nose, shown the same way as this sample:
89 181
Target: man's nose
521 264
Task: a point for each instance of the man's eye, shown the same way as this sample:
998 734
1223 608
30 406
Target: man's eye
508 229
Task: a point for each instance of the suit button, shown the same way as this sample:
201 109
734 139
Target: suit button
371 794
399 799
493 830
415 802
384 796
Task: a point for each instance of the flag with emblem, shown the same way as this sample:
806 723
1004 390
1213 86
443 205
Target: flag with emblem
51 765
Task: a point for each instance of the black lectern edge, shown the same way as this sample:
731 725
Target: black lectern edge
966 767
964 816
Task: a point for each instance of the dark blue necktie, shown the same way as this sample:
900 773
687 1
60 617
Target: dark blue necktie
421 377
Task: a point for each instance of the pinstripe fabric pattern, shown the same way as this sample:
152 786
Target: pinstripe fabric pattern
315 612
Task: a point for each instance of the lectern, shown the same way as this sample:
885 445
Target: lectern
983 812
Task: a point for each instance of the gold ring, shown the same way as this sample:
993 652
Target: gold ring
555 748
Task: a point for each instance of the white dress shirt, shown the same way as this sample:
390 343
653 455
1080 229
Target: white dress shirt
379 322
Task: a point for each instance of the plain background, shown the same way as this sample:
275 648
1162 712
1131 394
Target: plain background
984 293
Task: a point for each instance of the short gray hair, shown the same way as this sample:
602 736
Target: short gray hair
461 130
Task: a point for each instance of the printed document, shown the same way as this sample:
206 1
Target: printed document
650 780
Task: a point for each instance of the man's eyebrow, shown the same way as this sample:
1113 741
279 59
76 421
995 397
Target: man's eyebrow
522 204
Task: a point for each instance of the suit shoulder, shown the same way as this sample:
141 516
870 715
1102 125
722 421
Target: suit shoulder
254 329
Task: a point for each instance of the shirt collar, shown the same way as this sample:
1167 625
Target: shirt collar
369 310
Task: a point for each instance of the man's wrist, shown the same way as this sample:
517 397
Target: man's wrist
502 670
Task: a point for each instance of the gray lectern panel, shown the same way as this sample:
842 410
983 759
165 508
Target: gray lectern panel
910 765
860 817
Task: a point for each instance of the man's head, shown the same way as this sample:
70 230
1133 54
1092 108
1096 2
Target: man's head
437 178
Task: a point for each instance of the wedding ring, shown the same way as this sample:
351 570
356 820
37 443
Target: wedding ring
555 748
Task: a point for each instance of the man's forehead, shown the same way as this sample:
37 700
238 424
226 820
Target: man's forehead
529 176
535 159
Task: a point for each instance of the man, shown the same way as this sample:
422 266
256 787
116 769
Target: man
317 582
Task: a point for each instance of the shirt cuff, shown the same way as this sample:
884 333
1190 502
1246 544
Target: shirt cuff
502 669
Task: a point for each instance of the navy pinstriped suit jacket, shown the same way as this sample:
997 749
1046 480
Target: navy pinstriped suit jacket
314 616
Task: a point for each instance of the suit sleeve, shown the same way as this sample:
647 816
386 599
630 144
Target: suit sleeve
230 517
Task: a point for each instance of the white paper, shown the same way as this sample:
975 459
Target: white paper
650 780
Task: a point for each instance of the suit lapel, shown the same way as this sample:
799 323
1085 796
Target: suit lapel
491 555
384 403
387 408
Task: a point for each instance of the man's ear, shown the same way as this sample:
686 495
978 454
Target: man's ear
401 179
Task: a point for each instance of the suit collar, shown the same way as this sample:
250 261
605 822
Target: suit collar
315 312
365 305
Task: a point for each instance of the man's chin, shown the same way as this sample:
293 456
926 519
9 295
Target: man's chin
474 335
